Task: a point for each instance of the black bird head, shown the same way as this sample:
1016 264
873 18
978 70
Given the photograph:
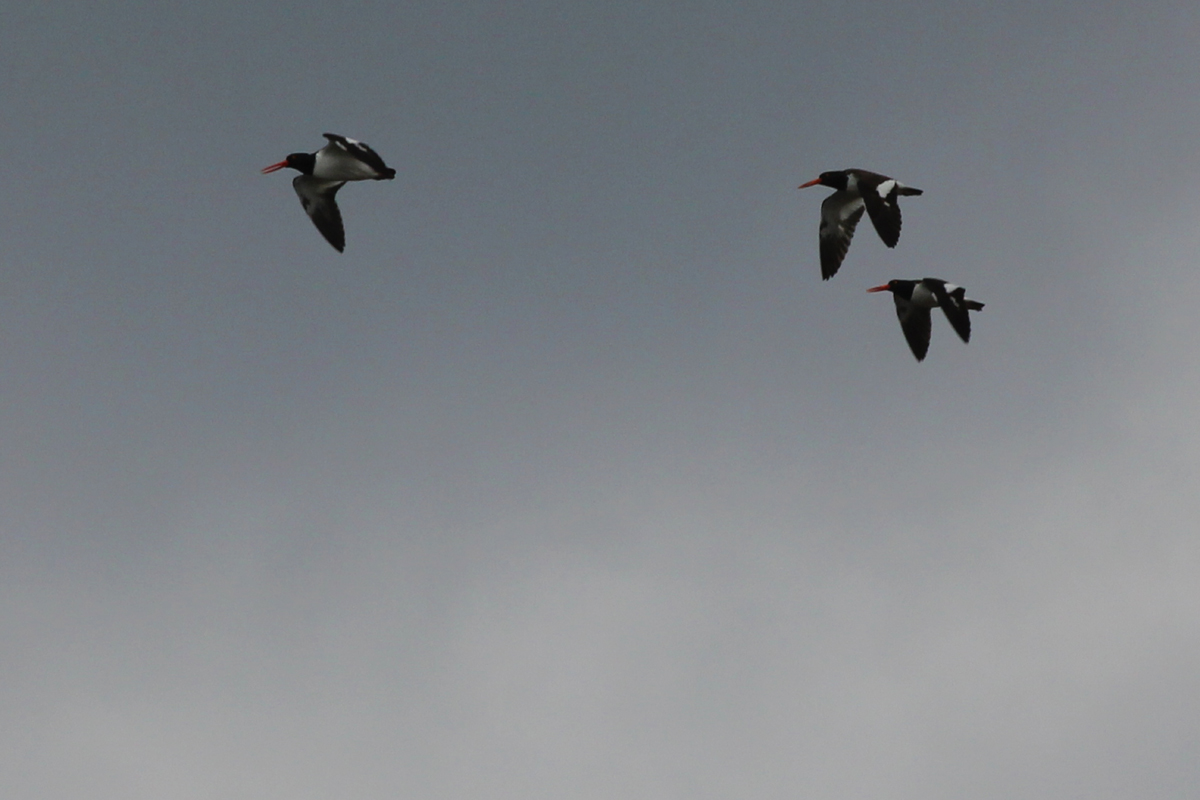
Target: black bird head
835 179
302 162
897 287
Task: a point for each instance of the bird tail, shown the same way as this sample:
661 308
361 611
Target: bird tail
960 298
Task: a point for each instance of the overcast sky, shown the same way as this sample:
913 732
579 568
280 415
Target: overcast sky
571 478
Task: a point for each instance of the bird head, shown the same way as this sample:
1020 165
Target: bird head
297 161
836 179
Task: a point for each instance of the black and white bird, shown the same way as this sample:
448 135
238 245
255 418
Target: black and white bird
914 301
856 190
326 171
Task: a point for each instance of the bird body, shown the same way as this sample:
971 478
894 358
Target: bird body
326 171
914 301
856 190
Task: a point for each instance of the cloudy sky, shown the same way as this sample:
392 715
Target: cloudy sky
571 478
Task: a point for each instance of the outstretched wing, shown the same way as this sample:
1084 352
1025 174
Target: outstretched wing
880 194
915 323
839 218
363 152
954 304
317 197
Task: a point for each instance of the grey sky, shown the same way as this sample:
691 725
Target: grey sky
571 478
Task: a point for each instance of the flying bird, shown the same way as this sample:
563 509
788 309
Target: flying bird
915 299
856 190
324 172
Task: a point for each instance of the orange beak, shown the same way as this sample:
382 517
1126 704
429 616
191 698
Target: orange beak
883 288
274 167
813 182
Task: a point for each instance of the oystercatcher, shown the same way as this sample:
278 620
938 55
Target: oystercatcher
326 171
914 299
840 212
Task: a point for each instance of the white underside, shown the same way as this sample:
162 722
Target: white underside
335 164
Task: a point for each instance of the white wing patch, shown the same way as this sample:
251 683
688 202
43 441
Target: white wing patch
885 188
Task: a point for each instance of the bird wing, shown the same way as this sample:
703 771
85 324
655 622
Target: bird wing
880 194
317 197
363 152
954 305
839 218
915 322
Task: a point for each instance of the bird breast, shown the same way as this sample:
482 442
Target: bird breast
923 298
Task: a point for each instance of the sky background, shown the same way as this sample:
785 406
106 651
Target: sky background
571 478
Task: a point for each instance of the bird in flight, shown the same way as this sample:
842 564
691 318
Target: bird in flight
914 301
856 190
324 172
